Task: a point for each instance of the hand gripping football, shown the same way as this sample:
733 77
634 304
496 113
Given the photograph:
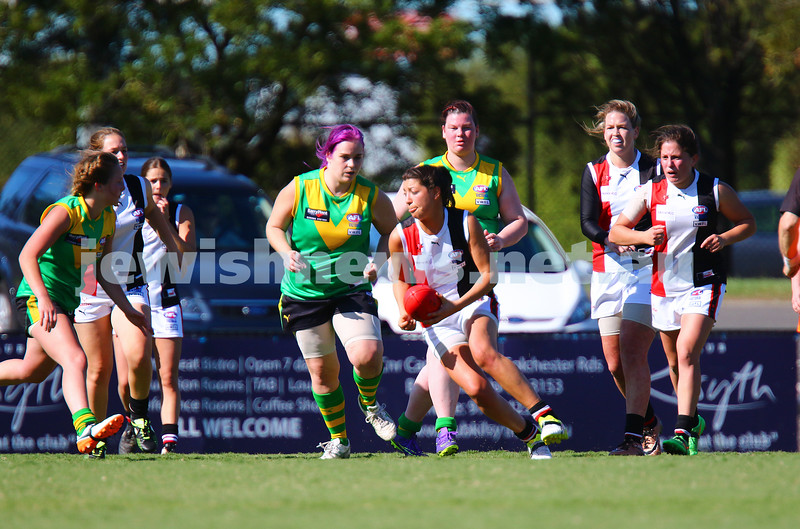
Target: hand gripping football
421 300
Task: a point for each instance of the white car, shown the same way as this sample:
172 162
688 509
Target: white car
539 289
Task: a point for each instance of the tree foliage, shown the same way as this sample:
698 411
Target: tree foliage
249 83
252 83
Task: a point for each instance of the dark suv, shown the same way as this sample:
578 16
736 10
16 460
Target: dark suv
233 285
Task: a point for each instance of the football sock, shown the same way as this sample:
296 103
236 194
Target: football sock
82 418
527 433
332 407
634 426
650 416
367 387
406 427
138 408
683 426
446 422
169 433
540 409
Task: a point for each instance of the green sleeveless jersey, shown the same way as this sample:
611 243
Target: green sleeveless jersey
477 189
63 264
332 234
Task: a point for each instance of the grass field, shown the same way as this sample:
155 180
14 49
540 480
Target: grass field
758 288
375 491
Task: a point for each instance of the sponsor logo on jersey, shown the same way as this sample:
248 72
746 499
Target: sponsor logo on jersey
700 216
318 215
171 292
137 291
456 255
480 195
76 239
697 292
170 314
138 216
353 219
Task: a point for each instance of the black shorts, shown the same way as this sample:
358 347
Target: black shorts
25 317
299 314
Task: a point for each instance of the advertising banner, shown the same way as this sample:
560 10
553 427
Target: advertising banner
253 394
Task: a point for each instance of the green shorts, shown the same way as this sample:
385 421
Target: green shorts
28 312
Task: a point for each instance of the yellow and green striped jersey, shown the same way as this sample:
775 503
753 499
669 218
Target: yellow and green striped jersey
63 264
477 189
332 234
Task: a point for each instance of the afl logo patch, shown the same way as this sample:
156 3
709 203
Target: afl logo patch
456 255
318 215
354 218
138 217
480 188
700 210
697 292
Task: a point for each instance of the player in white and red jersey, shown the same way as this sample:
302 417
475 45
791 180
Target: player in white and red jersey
445 248
483 187
621 274
689 273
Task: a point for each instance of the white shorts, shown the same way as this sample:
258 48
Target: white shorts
452 330
612 290
92 308
667 311
167 322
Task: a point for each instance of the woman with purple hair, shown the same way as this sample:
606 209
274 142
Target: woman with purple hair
320 224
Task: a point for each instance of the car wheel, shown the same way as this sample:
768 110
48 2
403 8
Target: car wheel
8 321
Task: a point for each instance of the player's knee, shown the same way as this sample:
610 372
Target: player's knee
75 360
477 389
486 357
169 381
615 368
138 362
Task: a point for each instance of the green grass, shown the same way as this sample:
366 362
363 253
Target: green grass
758 288
375 491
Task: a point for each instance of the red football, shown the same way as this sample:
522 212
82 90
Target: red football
421 300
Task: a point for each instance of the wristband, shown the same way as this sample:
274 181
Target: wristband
787 262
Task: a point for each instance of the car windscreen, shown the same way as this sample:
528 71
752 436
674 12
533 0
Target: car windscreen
233 218
535 252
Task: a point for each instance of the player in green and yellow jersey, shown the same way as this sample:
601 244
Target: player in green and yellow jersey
74 232
320 223
482 186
